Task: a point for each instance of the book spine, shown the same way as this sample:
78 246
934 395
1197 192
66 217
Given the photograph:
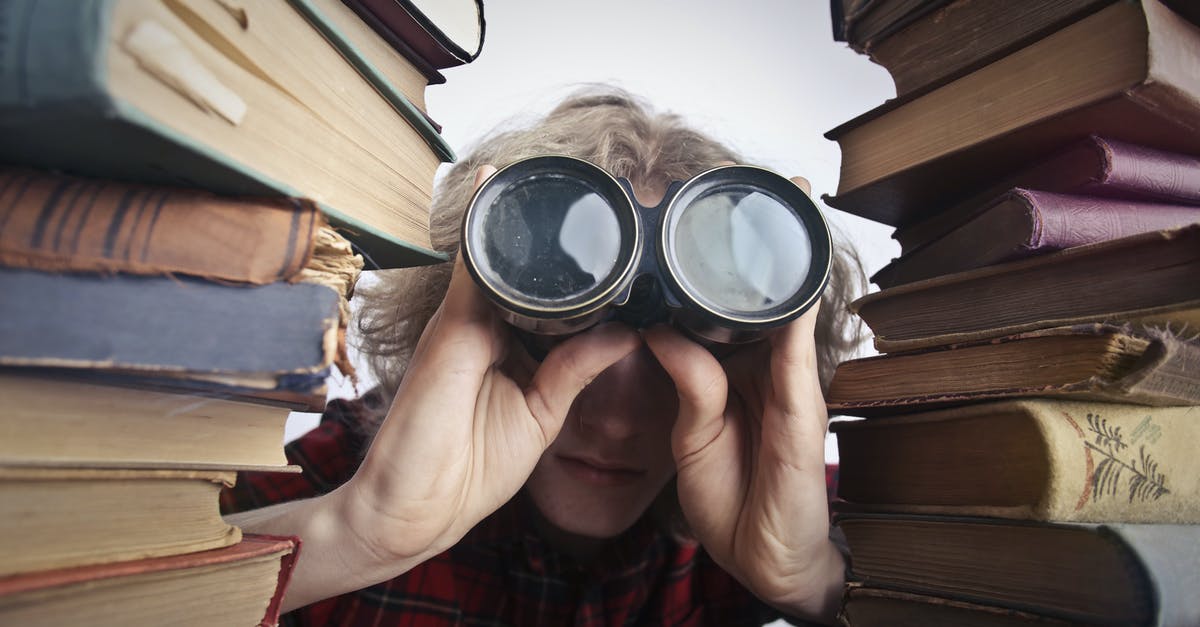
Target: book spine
410 112
1146 172
165 325
1063 221
1119 462
1027 222
53 222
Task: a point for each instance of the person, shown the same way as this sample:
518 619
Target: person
631 477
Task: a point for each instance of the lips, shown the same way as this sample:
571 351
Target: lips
600 472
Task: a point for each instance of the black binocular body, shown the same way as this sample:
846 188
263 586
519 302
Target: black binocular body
558 245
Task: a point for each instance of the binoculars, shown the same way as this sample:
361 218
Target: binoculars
558 245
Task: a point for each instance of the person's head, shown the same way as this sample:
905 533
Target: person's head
612 458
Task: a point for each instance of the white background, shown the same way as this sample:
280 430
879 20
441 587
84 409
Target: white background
764 76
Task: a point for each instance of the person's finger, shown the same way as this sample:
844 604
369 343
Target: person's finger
571 366
702 387
482 173
794 365
803 184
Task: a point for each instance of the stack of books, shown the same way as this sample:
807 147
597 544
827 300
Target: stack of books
1025 453
187 194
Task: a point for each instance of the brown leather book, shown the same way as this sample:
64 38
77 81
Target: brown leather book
1147 278
54 222
1094 362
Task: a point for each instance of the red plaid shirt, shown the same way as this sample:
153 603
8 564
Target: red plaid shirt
502 573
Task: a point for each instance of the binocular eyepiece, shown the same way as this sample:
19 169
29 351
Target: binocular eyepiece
559 245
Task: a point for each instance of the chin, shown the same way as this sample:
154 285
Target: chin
587 517
592 511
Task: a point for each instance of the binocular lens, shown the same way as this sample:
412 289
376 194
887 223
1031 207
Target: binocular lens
549 239
558 245
740 250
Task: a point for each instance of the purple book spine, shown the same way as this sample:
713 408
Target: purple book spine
1146 172
1064 221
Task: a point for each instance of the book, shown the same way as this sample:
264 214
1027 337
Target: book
181 93
242 584
1095 166
54 222
61 517
1094 362
860 22
1148 278
1027 459
867 606
958 37
1023 223
1125 72
261 336
1095 574
411 76
52 420
441 33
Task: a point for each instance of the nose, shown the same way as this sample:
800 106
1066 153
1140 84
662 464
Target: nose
631 397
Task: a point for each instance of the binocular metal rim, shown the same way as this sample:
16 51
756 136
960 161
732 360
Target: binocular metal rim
727 317
602 298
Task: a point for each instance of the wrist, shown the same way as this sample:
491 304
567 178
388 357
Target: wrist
815 593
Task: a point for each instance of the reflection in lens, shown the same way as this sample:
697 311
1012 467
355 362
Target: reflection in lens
742 250
550 238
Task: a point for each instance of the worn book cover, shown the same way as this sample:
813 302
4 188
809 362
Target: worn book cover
1025 222
242 584
1095 166
1148 278
1093 362
166 325
1033 459
56 222
1095 574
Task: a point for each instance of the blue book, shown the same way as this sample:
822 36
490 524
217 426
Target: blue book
267 99
277 336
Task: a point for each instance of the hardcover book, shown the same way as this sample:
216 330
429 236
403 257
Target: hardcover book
186 93
53 420
60 517
1030 459
1023 223
1095 166
168 325
1094 362
241 584
1126 72
1094 574
1148 278
963 35
55 222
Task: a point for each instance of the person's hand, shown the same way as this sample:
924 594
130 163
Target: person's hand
749 448
460 438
